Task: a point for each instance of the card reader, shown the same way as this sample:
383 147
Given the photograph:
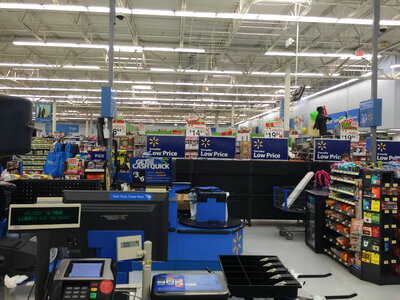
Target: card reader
87 278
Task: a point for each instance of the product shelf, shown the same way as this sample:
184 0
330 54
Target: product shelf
345 172
333 241
343 200
336 178
334 256
340 211
337 231
345 223
342 191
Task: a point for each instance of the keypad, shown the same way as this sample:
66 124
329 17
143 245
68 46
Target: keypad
75 292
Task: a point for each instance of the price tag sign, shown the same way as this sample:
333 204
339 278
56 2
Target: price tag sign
349 130
196 130
119 128
274 129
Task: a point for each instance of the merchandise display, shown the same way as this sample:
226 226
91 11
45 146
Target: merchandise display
199 150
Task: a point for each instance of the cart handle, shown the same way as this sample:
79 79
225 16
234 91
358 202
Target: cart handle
342 296
315 275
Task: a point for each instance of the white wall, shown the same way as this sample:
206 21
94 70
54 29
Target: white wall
348 98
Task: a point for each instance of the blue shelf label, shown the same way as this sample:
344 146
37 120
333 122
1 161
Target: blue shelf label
269 149
217 147
330 150
131 196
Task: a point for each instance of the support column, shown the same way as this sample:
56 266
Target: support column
87 125
286 106
111 24
91 124
374 69
54 117
216 121
233 116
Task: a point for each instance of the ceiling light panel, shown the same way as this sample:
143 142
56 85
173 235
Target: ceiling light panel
193 14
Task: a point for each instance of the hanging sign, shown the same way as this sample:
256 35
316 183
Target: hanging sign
119 128
387 150
43 112
217 147
329 149
274 128
371 113
269 148
151 170
108 102
166 145
349 130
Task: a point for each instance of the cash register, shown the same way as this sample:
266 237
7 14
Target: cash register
90 278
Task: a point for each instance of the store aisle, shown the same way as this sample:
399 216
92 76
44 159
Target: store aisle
263 238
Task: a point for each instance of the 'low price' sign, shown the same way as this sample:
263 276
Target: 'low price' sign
330 150
269 148
166 145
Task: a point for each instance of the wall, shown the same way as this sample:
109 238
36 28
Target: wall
349 98
345 99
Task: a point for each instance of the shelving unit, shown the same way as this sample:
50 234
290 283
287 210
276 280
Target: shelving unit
380 249
35 160
342 206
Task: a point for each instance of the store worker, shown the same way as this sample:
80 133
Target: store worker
320 121
345 158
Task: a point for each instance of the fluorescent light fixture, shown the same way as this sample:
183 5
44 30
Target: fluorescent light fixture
193 14
81 67
142 87
193 84
29 65
395 66
317 54
366 74
119 48
60 89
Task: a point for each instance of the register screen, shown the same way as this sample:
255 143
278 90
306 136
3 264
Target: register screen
85 270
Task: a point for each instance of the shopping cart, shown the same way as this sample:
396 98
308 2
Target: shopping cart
295 205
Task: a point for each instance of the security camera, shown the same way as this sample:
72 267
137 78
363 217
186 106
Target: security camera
383 29
120 17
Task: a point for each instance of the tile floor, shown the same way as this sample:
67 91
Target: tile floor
263 238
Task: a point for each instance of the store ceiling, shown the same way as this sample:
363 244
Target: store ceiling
185 56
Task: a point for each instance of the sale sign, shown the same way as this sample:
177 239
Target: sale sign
349 130
119 128
274 128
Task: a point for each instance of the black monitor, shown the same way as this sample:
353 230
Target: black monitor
123 211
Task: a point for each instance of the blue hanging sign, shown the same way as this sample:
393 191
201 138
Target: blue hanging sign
108 102
350 114
151 170
166 145
217 147
269 149
387 150
66 128
43 112
371 113
330 150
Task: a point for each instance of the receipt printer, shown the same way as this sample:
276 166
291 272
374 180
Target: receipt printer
87 278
